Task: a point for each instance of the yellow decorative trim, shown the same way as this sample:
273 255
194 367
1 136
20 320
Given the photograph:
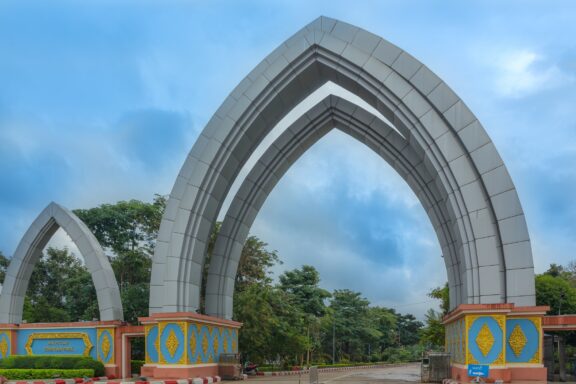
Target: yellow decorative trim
38 336
192 343
147 328
106 346
224 341
4 344
216 341
536 358
205 342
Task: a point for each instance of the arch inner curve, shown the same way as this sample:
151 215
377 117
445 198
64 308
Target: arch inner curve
333 112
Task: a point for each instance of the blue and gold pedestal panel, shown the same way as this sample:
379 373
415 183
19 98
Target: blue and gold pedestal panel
105 337
456 341
152 344
5 344
523 340
188 342
207 342
485 335
59 342
172 342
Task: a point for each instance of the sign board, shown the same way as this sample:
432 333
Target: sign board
477 370
64 343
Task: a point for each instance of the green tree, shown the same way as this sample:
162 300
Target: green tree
303 286
126 225
442 294
4 261
432 335
302 289
255 263
354 330
385 321
128 230
555 292
60 289
408 329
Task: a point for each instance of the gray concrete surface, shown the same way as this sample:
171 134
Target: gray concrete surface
402 374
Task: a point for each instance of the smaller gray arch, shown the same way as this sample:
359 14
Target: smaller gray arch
30 249
333 112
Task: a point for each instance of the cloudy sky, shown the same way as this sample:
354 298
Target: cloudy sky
100 101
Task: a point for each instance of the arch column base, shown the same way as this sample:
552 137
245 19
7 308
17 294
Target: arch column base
187 344
504 337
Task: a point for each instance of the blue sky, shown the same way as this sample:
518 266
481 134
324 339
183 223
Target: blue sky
101 101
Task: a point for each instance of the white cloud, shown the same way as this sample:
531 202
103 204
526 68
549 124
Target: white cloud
524 72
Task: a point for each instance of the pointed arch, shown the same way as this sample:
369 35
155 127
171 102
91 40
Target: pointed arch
333 112
29 250
485 224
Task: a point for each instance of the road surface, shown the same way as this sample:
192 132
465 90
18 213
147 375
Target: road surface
402 374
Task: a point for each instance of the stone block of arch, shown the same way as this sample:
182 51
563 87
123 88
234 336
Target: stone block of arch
30 249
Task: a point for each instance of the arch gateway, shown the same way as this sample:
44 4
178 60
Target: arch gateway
408 116
428 135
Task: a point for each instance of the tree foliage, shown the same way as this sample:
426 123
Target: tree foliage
60 289
293 321
4 261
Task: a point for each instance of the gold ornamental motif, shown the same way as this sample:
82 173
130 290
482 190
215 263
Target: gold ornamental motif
193 343
106 345
517 340
4 347
205 344
537 321
485 340
225 343
234 343
172 343
215 342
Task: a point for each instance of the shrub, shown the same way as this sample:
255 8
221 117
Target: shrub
38 374
53 362
136 365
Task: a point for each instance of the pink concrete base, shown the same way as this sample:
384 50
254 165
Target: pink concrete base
147 371
112 371
507 374
186 371
529 373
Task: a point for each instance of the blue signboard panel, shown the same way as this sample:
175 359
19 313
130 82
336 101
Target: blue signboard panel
62 341
477 370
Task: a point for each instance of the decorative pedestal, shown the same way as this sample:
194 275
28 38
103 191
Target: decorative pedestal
97 339
186 345
505 337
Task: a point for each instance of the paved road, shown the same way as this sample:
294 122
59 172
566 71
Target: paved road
403 374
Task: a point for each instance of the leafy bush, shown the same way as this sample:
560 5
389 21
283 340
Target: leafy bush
38 374
136 365
53 362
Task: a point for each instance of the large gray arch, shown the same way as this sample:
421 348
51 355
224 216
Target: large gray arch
30 249
485 227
